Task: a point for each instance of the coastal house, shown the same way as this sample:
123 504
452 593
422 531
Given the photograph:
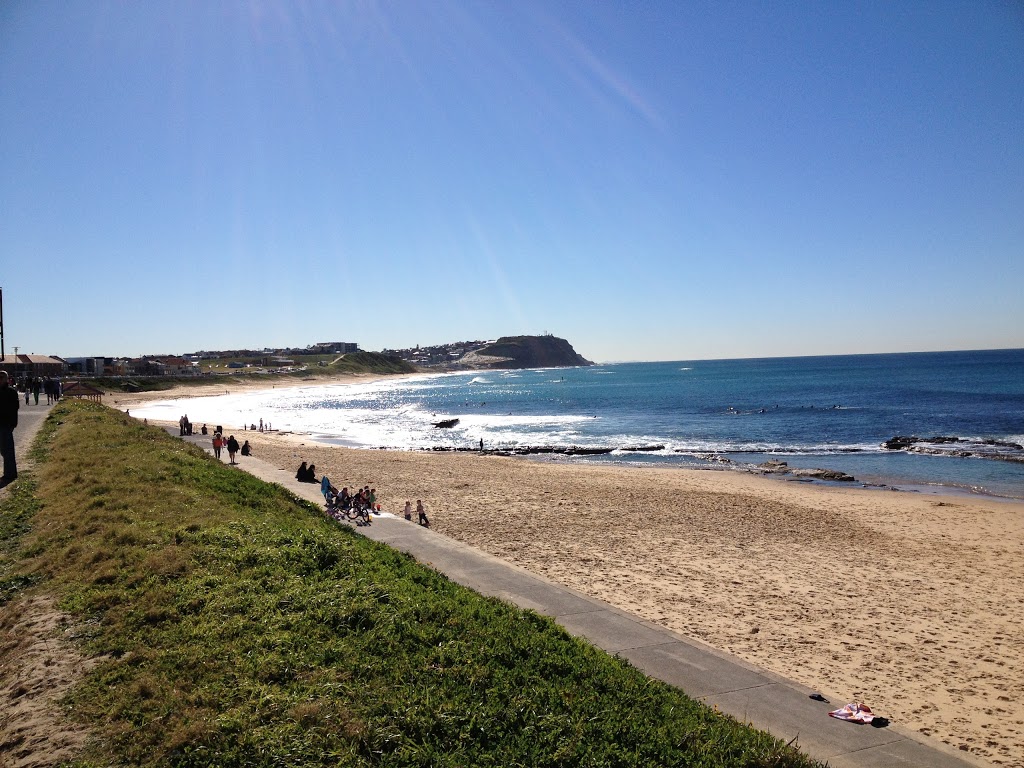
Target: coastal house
34 365
172 366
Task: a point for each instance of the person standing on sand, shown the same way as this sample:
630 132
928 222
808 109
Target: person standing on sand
9 405
407 512
232 448
422 514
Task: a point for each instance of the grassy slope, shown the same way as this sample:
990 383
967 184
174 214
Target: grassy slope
241 627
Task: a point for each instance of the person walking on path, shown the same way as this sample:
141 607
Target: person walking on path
218 443
232 449
9 405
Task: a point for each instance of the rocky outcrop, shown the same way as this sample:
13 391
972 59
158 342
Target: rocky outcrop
510 352
823 474
782 468
945 445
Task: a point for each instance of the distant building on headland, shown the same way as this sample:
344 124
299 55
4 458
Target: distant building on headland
333 348
545 351
439 355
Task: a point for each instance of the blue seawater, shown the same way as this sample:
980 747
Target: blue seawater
823 412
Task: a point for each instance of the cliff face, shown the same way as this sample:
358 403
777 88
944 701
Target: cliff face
525 352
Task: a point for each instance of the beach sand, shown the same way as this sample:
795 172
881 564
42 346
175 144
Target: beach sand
910 603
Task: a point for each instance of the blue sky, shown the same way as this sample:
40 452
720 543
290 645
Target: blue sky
650 180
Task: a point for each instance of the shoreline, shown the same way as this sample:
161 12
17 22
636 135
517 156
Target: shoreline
867 469
909 602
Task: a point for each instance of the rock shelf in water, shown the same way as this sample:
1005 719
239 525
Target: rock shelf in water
946 445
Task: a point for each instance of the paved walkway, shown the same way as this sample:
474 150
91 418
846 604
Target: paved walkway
749 694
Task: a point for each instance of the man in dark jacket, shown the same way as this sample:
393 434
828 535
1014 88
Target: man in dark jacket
8 421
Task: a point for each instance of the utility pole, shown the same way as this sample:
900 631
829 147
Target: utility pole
2 355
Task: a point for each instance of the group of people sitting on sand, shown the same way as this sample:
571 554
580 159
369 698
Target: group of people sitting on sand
359 504
362 502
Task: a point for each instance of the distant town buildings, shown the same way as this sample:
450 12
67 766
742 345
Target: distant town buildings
207 362
191 364
438 355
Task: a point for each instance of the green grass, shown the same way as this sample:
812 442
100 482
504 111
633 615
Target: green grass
239 627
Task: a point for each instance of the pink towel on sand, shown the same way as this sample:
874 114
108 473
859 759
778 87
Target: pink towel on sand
854 712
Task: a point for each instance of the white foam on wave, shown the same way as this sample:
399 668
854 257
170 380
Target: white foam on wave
719 446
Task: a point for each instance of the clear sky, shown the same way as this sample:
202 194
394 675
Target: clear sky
650 180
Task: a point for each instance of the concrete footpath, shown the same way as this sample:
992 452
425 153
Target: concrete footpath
749 694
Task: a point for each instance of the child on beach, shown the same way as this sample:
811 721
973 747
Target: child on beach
422 514
408 511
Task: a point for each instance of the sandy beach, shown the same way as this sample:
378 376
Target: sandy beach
910 603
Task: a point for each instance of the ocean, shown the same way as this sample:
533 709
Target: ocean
836 413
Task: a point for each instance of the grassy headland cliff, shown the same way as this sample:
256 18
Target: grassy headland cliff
525 352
